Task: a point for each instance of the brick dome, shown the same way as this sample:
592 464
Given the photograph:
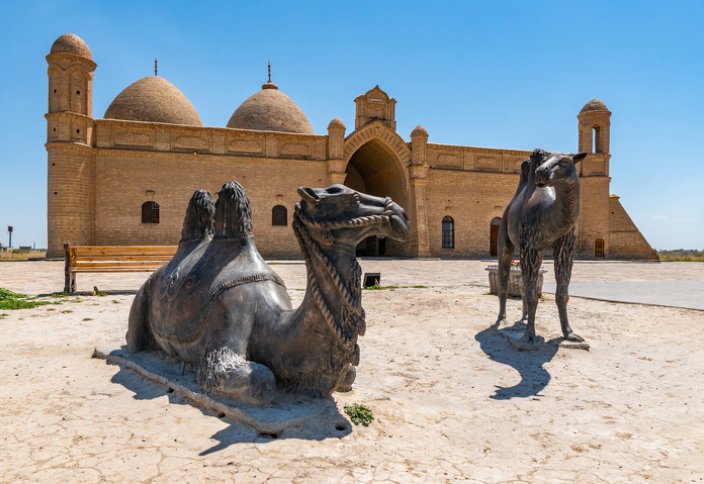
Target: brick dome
71 44
594 105
270 110
153 99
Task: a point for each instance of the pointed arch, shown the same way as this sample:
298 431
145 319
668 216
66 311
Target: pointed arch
376 162
378 131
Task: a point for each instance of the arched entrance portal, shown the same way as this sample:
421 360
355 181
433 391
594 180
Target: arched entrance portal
375 169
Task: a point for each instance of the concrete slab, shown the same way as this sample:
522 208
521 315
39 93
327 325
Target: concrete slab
514 335
286 412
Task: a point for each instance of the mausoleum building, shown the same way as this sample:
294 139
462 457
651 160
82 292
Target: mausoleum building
126 178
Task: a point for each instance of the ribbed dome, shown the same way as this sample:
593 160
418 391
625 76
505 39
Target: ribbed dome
71 44
594 105
270 110
153 99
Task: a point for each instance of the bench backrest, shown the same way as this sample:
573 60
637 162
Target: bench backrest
128 257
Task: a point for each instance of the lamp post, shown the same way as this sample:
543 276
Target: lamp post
9 231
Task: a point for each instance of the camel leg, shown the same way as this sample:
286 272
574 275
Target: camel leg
563 253
139 337
224 368
531 259
505 252
345 384
347 379
228 373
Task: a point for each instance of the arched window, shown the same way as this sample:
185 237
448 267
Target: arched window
279 215
448 232
494 235
599 248
150 213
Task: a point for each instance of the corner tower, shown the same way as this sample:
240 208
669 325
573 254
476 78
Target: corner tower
594 125
69 138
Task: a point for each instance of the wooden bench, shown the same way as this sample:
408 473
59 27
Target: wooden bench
113 258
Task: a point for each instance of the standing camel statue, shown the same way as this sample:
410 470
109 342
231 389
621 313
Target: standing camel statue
218 305
541 216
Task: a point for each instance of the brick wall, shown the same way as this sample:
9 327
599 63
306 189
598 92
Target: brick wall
69 196
472 199
625 240
124 181
593 222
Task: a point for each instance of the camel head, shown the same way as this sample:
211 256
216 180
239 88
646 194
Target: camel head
198 222
233 217
345 216
556 168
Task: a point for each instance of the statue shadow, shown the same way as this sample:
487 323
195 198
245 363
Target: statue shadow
529 364
324 421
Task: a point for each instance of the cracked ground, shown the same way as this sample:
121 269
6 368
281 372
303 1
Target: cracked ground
451 399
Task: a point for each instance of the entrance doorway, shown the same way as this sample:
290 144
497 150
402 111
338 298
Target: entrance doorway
494 235
374 169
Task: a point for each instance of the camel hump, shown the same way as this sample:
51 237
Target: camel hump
200 217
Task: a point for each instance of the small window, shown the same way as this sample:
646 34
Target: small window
596 140
279 215
150 213
599 249
448 233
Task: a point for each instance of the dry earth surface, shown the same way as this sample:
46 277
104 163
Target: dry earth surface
451 399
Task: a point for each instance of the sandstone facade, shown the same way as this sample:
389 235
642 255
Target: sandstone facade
151 147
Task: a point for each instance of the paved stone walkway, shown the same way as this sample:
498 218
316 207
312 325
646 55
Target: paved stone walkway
673 284
679 294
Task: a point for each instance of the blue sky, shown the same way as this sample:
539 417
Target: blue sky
505 74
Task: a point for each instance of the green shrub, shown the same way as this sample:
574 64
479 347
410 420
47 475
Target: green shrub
359 414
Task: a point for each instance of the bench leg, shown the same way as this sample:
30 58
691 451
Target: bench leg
70 282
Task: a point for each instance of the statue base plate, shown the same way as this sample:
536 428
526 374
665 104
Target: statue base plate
287 411
514 335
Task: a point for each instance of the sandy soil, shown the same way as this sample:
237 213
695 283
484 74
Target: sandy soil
452 400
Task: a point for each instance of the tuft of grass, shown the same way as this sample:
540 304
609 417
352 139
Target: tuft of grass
101 293
359 414
15 300
87 319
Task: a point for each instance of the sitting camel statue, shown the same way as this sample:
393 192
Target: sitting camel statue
541 215
219 307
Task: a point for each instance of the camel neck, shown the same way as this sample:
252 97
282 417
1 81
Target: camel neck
565 208
333 292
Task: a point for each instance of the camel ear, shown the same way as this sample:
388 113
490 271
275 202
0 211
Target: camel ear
309 195
579 157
